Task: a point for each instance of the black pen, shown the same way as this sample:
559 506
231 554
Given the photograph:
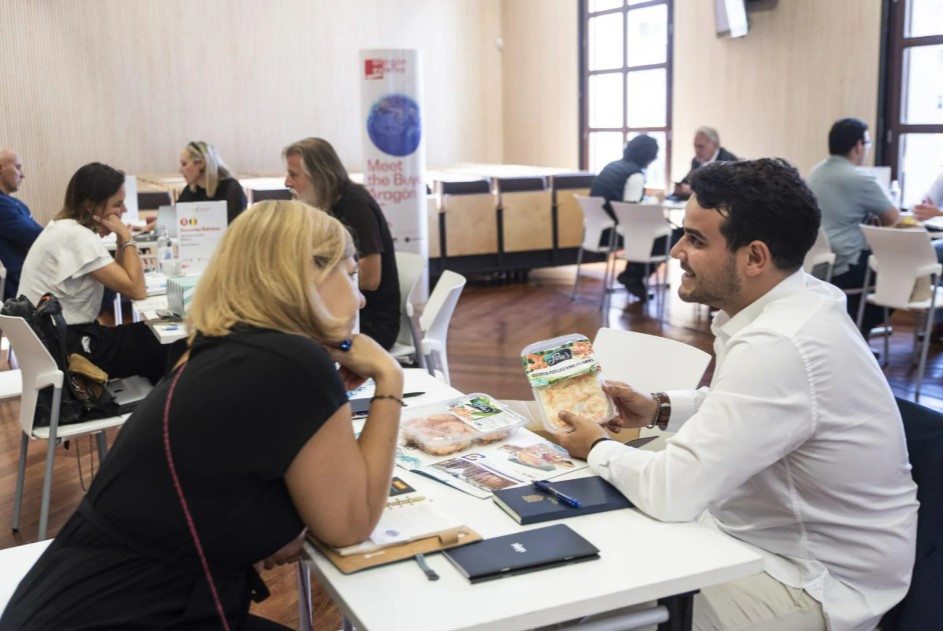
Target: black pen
406 395
544 487
430 573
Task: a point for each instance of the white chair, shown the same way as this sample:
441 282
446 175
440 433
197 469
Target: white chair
649 362
435 319
595 222
14 564
3 281
900 258
410 268
820 254
40 371
640 225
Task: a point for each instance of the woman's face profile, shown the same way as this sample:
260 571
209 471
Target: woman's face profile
190 169
340 294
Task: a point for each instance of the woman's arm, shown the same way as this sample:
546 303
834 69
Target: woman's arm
338 483
126 274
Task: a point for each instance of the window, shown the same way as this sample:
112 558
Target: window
913 142
625 80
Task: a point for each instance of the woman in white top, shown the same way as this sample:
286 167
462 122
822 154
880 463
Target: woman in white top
70 261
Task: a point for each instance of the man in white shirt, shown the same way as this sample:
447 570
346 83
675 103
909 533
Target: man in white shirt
797 447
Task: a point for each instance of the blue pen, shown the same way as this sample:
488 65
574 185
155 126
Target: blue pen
544 487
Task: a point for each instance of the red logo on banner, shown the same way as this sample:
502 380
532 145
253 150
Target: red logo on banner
377 68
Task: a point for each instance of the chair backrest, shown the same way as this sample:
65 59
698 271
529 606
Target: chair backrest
902 257
922 607
442 301
37 366
820 254
436 318
595 221
649 362
3 281
410 267
640 225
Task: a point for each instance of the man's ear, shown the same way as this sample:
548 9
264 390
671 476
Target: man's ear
758 258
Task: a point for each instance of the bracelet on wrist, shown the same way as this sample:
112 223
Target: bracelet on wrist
662 411
130 243
388 396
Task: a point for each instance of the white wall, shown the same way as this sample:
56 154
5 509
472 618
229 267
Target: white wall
130 82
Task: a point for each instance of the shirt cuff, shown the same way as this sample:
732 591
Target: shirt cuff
683 407
598 458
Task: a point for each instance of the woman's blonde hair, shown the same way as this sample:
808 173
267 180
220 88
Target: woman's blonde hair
265 270
214 169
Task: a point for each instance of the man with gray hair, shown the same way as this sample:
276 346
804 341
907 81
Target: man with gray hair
18 229
707 149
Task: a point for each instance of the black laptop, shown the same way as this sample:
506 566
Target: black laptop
525 551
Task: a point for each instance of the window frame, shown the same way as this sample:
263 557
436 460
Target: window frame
891 92
586 73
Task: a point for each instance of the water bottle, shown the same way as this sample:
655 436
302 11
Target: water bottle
165 253
894 192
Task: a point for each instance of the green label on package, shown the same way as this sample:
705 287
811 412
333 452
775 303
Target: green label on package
566 361
483 414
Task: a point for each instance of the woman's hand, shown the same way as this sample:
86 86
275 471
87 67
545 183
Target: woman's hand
364 360
289 553
113 223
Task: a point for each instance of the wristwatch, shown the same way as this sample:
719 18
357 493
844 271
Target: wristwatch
662 411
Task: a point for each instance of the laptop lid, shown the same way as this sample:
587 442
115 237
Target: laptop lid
521 552
167 218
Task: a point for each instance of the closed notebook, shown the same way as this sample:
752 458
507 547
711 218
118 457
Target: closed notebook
525 551
527 505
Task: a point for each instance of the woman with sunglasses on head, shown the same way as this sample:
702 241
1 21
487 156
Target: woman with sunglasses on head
209 179
227 462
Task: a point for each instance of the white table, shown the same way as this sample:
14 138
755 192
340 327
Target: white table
641 560
146 311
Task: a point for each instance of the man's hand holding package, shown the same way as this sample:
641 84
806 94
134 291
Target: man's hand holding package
635 409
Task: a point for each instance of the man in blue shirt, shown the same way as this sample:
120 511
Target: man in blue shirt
848 198
18 229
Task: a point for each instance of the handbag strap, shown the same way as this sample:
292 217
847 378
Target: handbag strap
183 501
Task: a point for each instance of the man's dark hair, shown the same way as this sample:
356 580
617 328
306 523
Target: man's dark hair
642 150
844 135
761 200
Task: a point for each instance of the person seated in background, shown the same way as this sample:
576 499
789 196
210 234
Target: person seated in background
707 149
317 177
259 443
931 207
797 446
624 181
208 179
848 198
18 229
70 261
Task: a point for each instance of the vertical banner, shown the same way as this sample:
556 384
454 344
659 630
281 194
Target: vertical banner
131 217
200 229
394 145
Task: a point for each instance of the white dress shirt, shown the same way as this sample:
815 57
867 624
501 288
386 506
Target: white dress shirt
797 448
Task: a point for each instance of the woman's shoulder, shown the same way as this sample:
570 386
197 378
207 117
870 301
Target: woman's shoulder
277 346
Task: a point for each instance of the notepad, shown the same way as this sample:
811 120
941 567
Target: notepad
408 517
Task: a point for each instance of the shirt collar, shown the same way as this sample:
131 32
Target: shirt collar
726 327
713 157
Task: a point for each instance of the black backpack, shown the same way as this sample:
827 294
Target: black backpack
84 396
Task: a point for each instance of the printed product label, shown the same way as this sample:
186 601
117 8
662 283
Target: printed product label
566 361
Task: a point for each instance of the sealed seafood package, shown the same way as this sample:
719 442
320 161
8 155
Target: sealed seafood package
444 428
565 376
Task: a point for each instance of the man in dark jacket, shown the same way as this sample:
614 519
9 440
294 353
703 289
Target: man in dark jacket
707 149
18 229
624 181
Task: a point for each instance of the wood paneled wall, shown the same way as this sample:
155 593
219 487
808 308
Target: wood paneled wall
776 91
130 82
540 71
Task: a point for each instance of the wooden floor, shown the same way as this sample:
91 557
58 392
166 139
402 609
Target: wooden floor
492 323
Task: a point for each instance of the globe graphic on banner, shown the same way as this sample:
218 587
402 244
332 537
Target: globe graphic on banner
394 126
